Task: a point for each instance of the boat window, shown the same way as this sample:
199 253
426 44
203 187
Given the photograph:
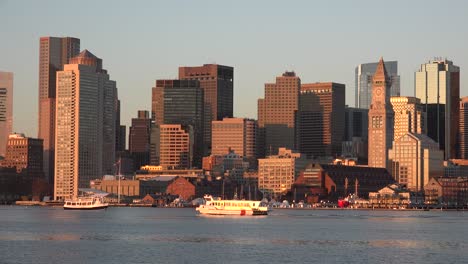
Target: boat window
73 203
253 204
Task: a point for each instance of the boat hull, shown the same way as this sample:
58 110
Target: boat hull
214 211
86 208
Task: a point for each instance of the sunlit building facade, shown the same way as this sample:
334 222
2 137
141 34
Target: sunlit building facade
6 109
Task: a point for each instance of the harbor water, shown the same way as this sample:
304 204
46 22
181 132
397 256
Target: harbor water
168 235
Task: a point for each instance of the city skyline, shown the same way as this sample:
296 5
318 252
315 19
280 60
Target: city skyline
152 48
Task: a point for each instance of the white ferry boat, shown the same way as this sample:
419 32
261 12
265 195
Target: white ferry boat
216 206
85 203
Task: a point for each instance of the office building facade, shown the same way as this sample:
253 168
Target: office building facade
85 128
234 134
24 153
409 116
54 53
139 139
462 150
174 149
437 85
320 119
6 109
276 113
217 82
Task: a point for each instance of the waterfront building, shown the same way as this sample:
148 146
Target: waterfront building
54 53
380 119
447 191
277 173
437 84
235 134
327 181
456 168
85 128
24 154
364 74
179 102
320 119
6 109
409 116
174 149
139 139
173 185
217 82
415 158
391 196
276 114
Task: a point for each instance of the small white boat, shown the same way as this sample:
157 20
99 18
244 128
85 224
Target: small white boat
216 206
85 203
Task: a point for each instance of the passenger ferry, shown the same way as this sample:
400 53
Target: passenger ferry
216 206
85 203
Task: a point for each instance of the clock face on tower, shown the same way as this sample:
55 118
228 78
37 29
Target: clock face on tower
378 91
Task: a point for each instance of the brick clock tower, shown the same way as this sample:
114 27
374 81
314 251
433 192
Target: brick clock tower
380 119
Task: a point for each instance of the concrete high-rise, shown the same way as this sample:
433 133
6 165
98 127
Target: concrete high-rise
409 116
363 80
437 84
217 82
139 139
85 128
234 134
54 53
380 119
463 129
320 119
181 102
6 109
276 113
174 149
356 133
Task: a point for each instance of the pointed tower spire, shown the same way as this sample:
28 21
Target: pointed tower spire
381 71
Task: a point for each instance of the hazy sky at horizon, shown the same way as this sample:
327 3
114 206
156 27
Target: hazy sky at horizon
141 41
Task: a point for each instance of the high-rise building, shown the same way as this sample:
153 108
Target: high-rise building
6 109
463 129
380 119
25 154
234 134
356 134
217 82
85 128
277 173
415 158
276 113
181 102
409 116
54 53
320 119
437 84
356 123
174 149
139 139
363 80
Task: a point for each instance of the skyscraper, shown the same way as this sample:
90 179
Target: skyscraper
54 53
276 113
6 109
217 82
181 102
139 139
409 116
437 84
320 119
363 80
235 134
85 128
463 129
380 119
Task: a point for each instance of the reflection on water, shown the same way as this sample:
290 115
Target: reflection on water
179 235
